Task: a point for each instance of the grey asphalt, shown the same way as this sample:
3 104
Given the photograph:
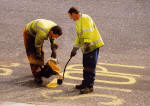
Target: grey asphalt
125 29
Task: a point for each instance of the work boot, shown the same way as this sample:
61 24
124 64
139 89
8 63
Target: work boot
86 90
38 80
81 86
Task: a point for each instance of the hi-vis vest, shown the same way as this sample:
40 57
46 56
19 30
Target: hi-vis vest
87 32
39 29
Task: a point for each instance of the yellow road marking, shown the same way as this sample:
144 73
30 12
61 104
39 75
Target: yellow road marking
44 93
131 80
128 79
11 65
100 69
119 65
6 71
52 84
101 87
115 100
104 70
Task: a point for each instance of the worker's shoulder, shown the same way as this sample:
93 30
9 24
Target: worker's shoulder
35 20
46 21
86 16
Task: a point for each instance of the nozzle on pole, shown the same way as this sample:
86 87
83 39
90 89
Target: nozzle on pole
59 81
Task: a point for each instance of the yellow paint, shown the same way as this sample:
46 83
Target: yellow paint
119 65
5 71
131 80
72 67
99 69
120 74
115 100
104 70
11 65
52 84
46 92
101 87
128 79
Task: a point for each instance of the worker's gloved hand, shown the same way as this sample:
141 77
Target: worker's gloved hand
54 46
73 52
53 60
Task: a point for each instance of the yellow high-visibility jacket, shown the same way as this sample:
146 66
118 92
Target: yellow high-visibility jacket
87 32
39 29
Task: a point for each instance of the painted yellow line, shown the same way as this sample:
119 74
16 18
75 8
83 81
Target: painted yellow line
77 67
52 84
5 71
103 70
130 80
126 79
11 65
99 69
115 100
46 92
101 87
119 65
120 74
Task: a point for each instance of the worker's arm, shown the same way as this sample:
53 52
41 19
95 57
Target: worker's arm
76 46
38 44
87 28
76 43
54 47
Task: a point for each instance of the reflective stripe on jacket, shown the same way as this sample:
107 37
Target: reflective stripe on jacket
39 29
87 32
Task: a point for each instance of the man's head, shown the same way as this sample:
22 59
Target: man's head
55 32
74 13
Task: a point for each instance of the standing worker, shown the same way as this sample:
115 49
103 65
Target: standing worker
35 32
89 40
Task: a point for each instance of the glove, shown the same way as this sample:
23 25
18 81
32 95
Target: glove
54 46
53 59
73 52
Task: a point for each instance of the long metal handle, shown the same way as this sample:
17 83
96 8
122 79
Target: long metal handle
66 66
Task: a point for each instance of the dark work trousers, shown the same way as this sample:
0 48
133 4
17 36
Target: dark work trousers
35 62
89 65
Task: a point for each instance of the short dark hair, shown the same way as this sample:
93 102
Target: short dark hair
57 30
73 10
